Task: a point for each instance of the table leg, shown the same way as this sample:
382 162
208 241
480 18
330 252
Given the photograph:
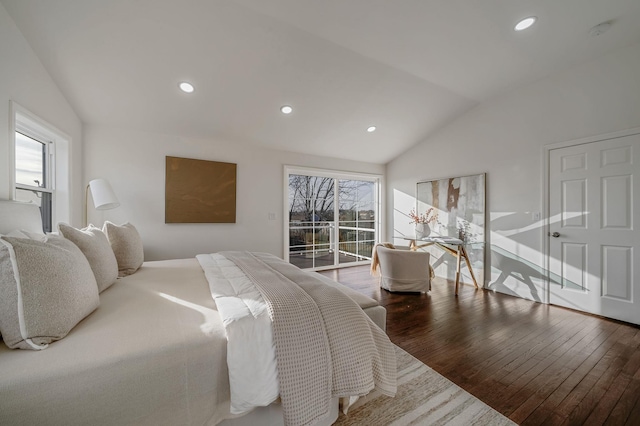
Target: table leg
458 268
466 258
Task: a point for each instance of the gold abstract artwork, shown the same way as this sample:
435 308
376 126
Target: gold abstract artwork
199 191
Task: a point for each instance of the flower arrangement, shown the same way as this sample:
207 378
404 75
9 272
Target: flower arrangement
431 215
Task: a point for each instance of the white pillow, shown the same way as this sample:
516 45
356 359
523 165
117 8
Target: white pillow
95 246
21 233
126 245
46 288
20 215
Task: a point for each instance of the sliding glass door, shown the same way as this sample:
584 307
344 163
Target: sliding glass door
332 218
356 220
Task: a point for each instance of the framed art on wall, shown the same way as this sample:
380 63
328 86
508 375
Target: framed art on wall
199 191
459 203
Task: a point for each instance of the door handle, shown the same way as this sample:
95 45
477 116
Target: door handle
555 234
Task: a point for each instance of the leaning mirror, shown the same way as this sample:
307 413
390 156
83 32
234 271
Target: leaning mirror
458 204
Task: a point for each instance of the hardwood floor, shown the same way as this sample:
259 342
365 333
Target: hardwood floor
536 364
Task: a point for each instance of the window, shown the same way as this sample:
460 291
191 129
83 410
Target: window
40 167
333 218
33 174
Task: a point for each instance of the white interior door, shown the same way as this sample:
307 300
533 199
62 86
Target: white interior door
594 246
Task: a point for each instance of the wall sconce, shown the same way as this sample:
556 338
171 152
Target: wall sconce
103 197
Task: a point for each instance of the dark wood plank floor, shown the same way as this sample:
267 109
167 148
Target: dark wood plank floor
536 364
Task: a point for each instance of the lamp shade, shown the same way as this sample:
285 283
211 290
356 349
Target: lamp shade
103 196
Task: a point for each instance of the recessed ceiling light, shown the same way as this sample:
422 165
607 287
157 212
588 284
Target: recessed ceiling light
525 23
286 109
186 87
371 129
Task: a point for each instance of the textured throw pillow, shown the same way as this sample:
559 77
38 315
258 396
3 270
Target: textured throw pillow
126 245
96 248
46 288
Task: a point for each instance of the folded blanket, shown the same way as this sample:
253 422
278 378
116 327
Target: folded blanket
325 345
375 263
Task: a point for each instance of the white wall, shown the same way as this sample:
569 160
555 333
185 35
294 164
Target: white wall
24 80
134 164
504 138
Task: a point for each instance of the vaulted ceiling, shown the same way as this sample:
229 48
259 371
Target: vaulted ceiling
407 67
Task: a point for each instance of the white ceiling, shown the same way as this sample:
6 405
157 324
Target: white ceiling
406 66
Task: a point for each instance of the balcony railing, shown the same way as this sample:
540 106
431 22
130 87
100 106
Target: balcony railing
315 241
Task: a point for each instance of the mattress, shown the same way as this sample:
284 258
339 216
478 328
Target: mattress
155 349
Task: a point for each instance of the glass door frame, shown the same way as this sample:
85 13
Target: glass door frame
377 179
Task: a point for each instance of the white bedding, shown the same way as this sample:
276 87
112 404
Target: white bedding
153 353
250 351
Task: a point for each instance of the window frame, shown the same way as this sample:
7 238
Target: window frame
57 161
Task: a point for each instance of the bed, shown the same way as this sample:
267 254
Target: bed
154 352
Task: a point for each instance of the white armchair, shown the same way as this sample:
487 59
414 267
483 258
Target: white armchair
403 270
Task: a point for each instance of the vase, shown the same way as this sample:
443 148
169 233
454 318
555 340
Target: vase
422 230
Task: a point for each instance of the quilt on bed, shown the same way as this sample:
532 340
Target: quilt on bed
323 345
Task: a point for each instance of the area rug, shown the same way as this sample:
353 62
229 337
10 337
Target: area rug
424 397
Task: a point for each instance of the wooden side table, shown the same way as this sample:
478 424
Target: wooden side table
444 243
